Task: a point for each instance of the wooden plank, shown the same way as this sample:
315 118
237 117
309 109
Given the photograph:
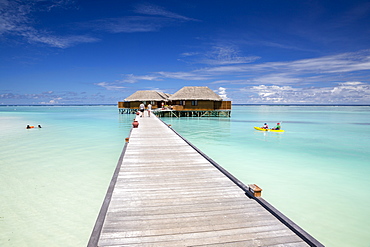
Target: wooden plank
257 235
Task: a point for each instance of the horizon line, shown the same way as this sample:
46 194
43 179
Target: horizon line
240 104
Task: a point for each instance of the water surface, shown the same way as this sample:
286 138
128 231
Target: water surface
54 179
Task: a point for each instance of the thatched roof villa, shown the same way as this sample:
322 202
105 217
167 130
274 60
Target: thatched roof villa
188 101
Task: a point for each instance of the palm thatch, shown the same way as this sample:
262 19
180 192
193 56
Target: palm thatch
195 93
164 95
147 95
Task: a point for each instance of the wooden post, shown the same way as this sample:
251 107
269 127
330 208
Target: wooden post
257 191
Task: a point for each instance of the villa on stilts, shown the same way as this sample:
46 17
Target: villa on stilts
187 102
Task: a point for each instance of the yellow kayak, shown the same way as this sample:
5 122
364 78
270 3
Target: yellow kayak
270 130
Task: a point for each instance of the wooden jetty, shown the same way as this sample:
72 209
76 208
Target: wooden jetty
166 192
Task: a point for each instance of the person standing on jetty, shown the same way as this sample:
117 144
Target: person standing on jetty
142 108
149 109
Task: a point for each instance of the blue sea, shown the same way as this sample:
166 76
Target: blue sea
54 178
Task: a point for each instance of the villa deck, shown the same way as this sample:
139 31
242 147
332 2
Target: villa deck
166 192
181 113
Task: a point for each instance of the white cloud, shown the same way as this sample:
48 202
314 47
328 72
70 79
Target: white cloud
309 72
153 18
12 16
151 9
109 86
316 80
219 55
226 54
55 41
342 93
345 62
183 75
234 82
222 93
277 79
51 102
189 54
341 63
16 19
130 78
129 24
48 97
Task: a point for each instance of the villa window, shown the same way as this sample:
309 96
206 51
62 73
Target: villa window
194 102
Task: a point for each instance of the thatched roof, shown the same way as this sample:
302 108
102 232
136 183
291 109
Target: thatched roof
147 95
185 93
195 93
164 95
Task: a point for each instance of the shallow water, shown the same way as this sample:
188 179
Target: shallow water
54 179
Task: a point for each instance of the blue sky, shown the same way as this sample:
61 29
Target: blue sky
94 51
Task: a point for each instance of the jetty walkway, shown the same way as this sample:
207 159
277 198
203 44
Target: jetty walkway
166 192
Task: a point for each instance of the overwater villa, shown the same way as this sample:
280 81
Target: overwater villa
187 102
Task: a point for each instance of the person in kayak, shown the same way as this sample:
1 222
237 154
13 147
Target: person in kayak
265 126
278 127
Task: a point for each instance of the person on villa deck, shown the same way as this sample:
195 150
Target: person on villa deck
149 109
142 108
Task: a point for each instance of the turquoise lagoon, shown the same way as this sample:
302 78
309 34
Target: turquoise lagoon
54 179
